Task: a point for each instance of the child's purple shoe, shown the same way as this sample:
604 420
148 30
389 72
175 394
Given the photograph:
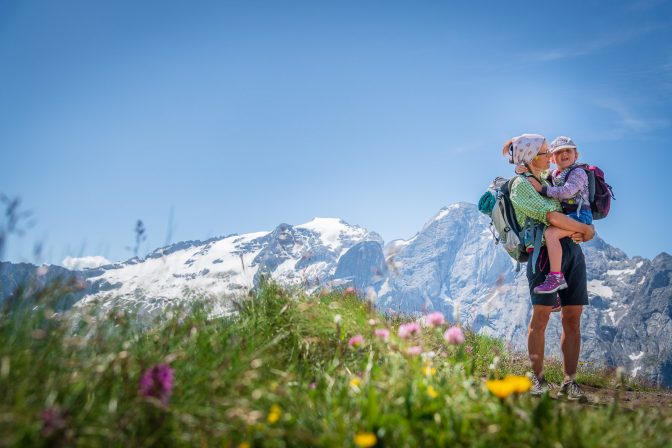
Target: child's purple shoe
553 283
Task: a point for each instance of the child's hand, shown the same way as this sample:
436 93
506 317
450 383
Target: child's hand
535 183
521 169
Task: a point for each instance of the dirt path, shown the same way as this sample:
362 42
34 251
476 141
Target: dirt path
628 399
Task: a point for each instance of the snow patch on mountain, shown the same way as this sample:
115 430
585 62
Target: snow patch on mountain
333 231
598 288
78 263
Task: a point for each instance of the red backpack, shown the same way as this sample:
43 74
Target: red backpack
601 193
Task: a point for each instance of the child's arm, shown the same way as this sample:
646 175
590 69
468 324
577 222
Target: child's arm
577 181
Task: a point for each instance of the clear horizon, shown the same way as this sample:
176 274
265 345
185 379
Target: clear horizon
223 117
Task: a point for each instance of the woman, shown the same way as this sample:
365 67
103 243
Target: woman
531 150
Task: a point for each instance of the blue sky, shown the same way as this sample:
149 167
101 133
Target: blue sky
211 118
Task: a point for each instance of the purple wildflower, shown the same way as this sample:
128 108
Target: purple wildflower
53 421
157 382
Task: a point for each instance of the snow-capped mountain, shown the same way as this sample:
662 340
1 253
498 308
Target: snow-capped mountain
305 255
451 265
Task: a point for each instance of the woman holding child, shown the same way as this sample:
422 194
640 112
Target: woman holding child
562 279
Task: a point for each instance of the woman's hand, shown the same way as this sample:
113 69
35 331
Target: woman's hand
583 237
535 183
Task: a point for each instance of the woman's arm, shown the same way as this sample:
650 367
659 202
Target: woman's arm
566 223
577 181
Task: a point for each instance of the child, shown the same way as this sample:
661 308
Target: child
570 186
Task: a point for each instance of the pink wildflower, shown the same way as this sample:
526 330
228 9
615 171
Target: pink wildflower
157 382
454 336
356 341
382 333
350 291
435 319
408 330
414 351
312 386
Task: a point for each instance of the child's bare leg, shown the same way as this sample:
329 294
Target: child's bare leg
553 236
564 222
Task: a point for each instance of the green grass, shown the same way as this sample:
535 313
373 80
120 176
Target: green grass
279 373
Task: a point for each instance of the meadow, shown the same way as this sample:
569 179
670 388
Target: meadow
285 369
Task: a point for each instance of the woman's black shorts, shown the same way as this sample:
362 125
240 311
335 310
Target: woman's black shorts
574 269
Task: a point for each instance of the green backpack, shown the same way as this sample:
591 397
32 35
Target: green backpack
496 203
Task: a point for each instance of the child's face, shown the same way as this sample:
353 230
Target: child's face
564 157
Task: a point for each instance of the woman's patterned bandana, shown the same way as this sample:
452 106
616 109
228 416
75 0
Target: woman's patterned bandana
526 147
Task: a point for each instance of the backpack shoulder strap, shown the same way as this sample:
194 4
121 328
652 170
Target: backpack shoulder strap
510 211
506 188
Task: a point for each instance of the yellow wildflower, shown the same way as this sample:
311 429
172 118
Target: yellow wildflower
432 392
274 414
365 439
429 370
500 388
520 384
355 382
244 445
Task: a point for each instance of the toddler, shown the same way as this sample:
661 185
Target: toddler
570 187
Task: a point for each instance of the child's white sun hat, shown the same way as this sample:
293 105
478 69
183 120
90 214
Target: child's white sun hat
562 142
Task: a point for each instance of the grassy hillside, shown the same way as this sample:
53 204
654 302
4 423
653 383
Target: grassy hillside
282 372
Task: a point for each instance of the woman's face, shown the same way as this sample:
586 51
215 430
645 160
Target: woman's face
542 160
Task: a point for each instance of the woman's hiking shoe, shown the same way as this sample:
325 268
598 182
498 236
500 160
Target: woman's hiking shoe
557 306
553 283
572 391
539 385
